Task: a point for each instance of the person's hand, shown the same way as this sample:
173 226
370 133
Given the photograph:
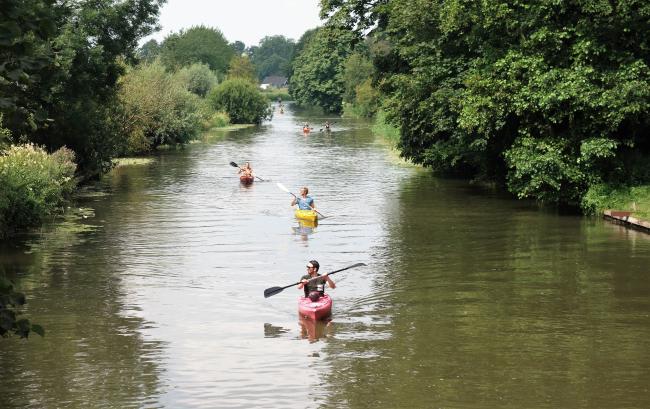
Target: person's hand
304 281
325 276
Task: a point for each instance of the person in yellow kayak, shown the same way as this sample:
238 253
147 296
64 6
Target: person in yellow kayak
313 283
246 170
304 202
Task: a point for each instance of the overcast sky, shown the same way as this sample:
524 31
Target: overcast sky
244 20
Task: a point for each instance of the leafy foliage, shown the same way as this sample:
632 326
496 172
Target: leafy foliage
158 109
35 185
318 70
273 56
71 54
242 100
197 78
10 301
552 97
149 51
241 67
198 44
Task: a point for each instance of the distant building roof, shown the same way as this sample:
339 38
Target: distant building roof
275 81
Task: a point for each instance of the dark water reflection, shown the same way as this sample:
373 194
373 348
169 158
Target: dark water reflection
151 294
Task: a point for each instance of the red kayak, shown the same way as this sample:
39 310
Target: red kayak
316 310
246 180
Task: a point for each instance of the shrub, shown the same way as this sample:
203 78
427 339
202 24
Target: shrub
217 120
35 184
197 78
158 109
241 99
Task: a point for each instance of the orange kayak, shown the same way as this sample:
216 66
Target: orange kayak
246 180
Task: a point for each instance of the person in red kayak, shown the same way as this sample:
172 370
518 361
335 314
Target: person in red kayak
246 170
313 283
304 202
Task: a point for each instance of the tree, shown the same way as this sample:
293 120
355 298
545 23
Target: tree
198 44
77 53
157 109
27 32
242 100
238 47
241 67
273 56
357 69
318 70
149 51
197 78
551 97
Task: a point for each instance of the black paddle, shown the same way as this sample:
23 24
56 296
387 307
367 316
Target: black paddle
282 187
269 292
233 164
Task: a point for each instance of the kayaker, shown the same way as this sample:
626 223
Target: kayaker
313 283
304 202
327 125
246 170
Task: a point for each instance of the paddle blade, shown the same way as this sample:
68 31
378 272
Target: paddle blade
233 164
269 292
282 187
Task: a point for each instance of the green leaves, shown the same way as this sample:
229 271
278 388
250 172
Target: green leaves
549 96
318 70
241 100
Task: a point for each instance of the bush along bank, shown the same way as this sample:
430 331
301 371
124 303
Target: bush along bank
35 185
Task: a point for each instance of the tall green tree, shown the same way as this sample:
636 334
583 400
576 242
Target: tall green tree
72 55
149 51
241 67
242 100
318 70
273 56
551 97
199 44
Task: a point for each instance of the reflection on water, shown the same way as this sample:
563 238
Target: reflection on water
151 292
314 330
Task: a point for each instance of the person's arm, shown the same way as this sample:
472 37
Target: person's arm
302 283
329 281
313 204
294 201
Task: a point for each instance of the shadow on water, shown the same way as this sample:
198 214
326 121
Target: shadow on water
489 304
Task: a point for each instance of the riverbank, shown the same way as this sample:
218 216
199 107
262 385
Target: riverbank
626 219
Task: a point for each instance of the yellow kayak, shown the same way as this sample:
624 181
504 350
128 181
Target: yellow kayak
309 215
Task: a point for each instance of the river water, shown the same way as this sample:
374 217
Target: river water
151 291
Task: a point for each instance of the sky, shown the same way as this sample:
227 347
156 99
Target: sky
244 20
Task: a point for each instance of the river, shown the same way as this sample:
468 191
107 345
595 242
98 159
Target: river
151 291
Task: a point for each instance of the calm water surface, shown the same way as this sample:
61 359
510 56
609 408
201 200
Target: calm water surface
151 291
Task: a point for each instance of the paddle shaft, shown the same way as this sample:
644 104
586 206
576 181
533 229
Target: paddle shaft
297 198
233 164
276 290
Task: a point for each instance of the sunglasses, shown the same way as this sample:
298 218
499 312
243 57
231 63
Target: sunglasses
310 267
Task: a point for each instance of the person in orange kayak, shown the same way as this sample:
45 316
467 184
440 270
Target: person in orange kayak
246 170
313 283
304 202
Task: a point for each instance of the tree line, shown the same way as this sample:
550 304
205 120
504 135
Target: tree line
76 89
548 98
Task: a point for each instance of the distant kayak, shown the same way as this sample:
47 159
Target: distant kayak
309 215
315 310
246 180
305 130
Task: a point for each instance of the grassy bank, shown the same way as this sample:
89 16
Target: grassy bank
602 197
272 94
